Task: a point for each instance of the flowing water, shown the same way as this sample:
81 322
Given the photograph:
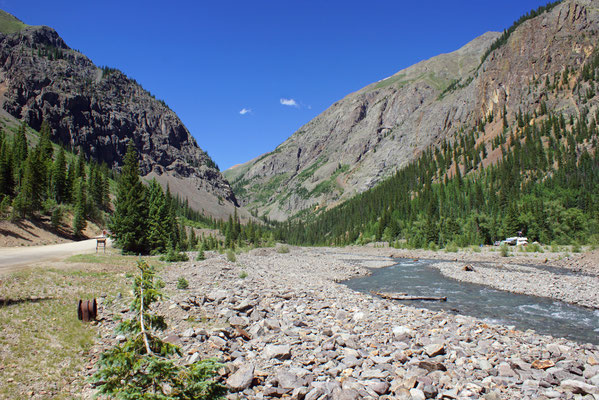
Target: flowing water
545 316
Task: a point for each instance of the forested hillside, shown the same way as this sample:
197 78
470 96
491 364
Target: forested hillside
40 178
540 175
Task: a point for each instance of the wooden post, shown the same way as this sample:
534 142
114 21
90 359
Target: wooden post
101 241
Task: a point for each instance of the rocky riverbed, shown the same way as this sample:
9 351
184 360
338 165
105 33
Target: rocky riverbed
285 328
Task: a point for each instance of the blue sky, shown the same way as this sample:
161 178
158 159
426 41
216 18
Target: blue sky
243 76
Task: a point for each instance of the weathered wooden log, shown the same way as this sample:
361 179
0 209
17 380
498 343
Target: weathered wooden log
405 296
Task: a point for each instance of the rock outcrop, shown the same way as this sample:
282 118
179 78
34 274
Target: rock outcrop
369 134
99 110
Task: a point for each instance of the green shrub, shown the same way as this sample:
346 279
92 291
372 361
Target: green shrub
56 218
433 246
201 256
554 247
534 248
174 256
451 247
283 249
231 256
576 248
182 283
243 275
505 250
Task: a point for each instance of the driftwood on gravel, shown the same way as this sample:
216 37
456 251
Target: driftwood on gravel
405 296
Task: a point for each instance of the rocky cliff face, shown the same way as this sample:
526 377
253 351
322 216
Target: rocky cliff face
366 136
99 110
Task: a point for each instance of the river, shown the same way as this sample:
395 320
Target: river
544 315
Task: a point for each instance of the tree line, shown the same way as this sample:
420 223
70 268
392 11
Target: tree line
38 179
148 220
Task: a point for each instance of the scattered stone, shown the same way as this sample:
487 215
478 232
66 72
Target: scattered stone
435 349
282 352
543 364
575 386
242 378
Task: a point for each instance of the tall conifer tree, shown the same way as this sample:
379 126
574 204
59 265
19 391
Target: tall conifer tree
129 221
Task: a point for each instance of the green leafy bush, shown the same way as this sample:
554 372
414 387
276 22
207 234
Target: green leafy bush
243 275
144 366
231 256
505 250
182 283
174 256
534 248
283 249
451 248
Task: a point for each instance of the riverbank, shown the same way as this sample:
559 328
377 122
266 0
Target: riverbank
579 289
286 328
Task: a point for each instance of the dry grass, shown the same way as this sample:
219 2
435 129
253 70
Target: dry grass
43 346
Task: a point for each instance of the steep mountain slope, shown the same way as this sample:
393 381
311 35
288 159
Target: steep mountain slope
99 110
369 134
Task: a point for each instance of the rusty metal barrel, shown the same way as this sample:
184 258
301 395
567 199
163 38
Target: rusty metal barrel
87 310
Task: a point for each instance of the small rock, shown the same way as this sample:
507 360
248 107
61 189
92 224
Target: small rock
281 352
238 321
194 357
173 339
484 364
288 380
417 394
242 378
348 394
217 342
575 386
380 387
504 369
434 349
188 333
359 316
543 364
402 330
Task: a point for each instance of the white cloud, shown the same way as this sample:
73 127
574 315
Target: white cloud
289 102
245 111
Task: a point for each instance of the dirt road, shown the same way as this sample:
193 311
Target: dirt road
14 258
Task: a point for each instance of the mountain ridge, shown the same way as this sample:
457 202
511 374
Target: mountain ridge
99 110
364 137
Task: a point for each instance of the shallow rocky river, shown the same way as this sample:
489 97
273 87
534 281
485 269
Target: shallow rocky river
544 315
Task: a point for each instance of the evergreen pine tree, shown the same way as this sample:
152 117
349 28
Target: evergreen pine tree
129 221
158 219
7 182
45 143
59 178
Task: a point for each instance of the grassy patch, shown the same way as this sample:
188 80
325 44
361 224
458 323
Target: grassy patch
112 258
43 346
265 192
10 24
390 81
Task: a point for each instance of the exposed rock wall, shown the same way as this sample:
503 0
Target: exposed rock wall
99 111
